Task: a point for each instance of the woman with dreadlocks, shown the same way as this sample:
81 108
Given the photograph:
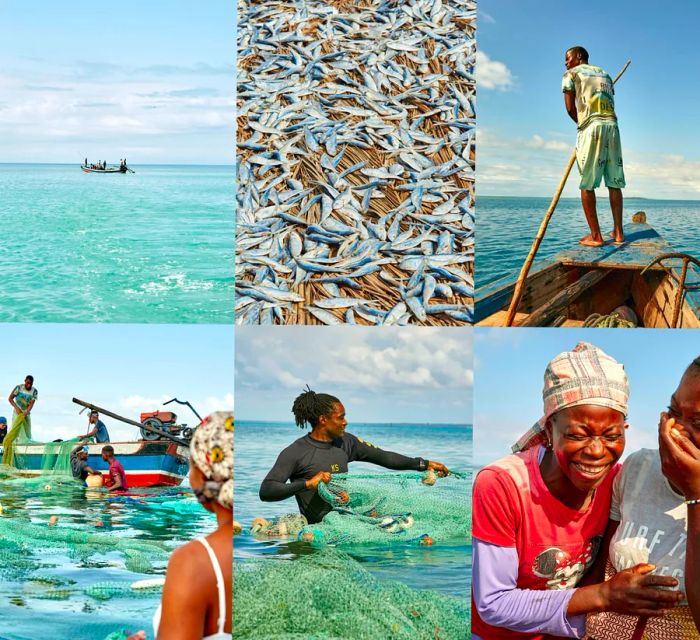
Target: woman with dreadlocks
327 449
655 519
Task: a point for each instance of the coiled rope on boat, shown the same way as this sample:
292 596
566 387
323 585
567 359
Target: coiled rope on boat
611 321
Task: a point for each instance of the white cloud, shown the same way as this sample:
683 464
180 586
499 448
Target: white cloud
220 404
491 74
538 142
92 112
396 370
485 17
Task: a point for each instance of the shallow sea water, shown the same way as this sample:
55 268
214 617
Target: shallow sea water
29 581
154 246
443 568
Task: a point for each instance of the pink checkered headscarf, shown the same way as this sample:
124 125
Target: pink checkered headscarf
585 375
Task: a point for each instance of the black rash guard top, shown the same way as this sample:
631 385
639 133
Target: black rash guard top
305 457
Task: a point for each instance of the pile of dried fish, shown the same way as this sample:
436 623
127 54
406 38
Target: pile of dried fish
355 166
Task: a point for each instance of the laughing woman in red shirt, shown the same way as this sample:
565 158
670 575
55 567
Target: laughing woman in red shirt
539 515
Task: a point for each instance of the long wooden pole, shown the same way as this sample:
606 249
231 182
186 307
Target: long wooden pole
116 416
522 278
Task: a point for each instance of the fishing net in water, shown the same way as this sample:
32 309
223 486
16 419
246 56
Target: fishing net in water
397 508
20 432
56 457
328 595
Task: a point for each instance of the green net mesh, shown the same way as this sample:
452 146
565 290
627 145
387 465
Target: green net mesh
19 432
399 508
56 458
329 595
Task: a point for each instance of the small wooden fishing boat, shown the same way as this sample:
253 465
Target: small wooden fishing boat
146 463
107 170
661 286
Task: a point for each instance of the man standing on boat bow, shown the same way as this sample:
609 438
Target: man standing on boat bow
588 97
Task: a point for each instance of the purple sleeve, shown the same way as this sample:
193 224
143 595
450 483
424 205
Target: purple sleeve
501 604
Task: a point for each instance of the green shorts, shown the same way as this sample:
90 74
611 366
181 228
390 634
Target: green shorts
599 154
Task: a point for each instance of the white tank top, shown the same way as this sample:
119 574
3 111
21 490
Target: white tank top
220 588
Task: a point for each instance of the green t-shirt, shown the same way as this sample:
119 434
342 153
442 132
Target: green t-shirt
594 93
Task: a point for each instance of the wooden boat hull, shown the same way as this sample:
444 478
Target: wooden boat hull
89 170
580 282
146 463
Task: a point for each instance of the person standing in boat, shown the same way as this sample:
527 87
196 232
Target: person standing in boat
22 399
588 98
96 428
117 475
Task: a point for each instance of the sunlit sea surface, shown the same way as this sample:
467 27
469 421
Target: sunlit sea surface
506 227
444 568
43 586
152 246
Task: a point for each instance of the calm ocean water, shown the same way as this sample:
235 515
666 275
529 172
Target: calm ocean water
507 226
441 568
26 606
154 246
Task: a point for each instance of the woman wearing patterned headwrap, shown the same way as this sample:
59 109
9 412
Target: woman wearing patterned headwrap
655 518
197 594
539 515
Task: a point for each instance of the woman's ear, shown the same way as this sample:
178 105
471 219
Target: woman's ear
548 431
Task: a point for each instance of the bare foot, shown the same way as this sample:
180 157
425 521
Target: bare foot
618 240
588 241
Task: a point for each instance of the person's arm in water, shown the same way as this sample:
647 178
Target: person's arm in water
680 463
363 451
276 485
570 104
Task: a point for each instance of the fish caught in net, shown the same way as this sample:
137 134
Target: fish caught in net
397 508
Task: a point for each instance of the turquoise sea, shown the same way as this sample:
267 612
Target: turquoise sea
506 227
446 569
72 579
153 246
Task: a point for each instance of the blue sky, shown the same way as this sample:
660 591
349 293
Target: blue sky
509 366
419 375
524 134
153 81
124 368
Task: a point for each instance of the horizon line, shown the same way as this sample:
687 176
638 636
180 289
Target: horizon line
140 164
576 197
442 424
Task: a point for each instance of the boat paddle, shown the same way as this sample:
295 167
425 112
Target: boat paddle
522 278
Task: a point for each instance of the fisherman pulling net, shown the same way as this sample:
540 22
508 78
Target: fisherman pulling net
382 509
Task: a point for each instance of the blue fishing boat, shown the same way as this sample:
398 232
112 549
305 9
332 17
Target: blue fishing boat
146 463
643 282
